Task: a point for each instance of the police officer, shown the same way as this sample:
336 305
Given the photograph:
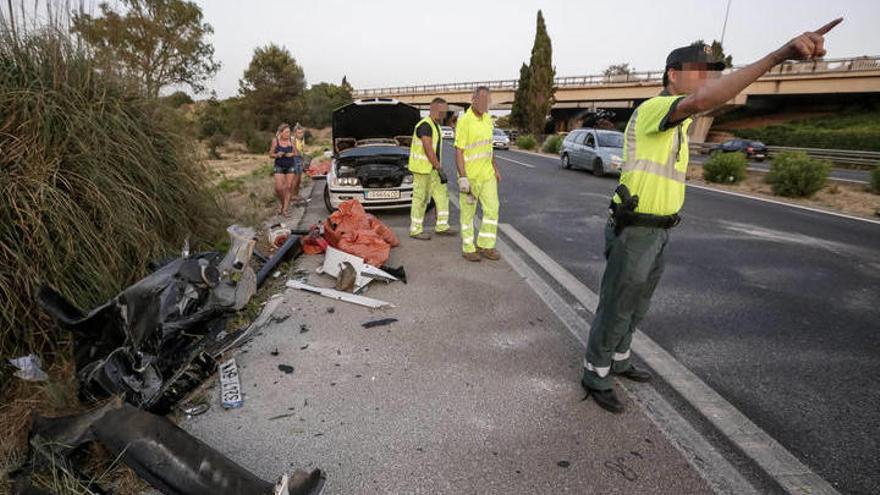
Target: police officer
429 180
651 193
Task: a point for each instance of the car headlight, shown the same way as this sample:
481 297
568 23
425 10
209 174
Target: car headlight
347 181
408 179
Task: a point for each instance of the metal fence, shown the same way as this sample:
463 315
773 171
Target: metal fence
641 77
839 157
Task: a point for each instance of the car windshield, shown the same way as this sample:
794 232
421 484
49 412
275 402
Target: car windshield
611 139
499 132
757 144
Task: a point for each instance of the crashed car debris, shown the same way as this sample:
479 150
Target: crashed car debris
164 455
149 343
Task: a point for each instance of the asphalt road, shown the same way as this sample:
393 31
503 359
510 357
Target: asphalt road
776 308
842 174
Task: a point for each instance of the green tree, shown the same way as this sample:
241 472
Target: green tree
273 87
322 99
178 99
346 86
717 51
518 115
618 70
541 79
156 43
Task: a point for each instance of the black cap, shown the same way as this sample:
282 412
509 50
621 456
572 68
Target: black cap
694 54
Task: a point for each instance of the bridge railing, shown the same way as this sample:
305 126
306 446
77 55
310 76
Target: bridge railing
642 77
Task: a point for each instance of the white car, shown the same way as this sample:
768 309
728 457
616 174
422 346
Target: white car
447 132
371 139
500 139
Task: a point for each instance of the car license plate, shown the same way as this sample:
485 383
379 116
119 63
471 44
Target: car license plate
382 194
230 386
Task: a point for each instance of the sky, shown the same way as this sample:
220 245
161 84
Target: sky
378 43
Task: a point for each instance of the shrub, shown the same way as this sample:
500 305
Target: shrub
725 168
552 144
215 142
526 142
258 142
875 179
93 185
795 174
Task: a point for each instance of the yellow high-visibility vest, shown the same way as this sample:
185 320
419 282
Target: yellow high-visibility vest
473 135
655 160
418 160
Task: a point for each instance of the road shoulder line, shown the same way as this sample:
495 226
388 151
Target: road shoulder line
768 454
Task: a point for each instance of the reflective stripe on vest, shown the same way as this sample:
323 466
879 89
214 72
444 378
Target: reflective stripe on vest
658 184
418 160
478 152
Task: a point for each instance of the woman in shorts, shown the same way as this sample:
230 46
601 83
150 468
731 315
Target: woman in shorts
284 152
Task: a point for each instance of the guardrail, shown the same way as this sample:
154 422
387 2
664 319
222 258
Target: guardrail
840 157
784 69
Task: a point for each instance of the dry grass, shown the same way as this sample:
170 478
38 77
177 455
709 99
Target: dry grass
95 181
845 197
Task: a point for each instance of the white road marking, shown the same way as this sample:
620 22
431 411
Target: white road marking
790 473
524 164
782 203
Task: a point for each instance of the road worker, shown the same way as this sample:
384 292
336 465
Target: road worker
647 201
429 180
478 178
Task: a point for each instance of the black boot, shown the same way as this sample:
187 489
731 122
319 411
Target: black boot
606 399
634 374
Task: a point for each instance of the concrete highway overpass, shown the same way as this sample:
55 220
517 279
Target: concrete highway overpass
575 95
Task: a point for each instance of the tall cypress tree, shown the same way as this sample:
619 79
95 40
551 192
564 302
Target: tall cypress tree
518 116
541 79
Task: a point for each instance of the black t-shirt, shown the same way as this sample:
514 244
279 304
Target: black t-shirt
424 129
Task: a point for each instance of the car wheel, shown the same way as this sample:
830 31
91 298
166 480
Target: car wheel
327 204
566 163
598 168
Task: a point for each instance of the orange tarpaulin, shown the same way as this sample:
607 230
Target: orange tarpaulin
353 230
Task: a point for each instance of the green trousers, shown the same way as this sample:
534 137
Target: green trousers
635 263
486 193
428 186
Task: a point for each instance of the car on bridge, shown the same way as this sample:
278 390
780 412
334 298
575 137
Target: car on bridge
500 139
754 150
371 140
597 150
447 132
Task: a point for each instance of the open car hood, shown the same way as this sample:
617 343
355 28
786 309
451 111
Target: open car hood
373 118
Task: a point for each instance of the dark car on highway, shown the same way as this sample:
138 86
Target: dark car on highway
754 150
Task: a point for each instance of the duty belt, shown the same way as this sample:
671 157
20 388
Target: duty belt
624 214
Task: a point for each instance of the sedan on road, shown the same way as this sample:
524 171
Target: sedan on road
754 150
447 132
500 139
371 140
599 151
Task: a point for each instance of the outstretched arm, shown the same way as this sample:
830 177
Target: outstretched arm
807 46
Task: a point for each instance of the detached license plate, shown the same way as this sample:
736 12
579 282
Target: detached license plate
230 386
382 194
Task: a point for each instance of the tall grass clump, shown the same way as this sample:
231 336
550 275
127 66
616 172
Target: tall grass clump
94 183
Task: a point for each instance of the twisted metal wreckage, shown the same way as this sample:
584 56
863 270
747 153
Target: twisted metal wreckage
148 347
